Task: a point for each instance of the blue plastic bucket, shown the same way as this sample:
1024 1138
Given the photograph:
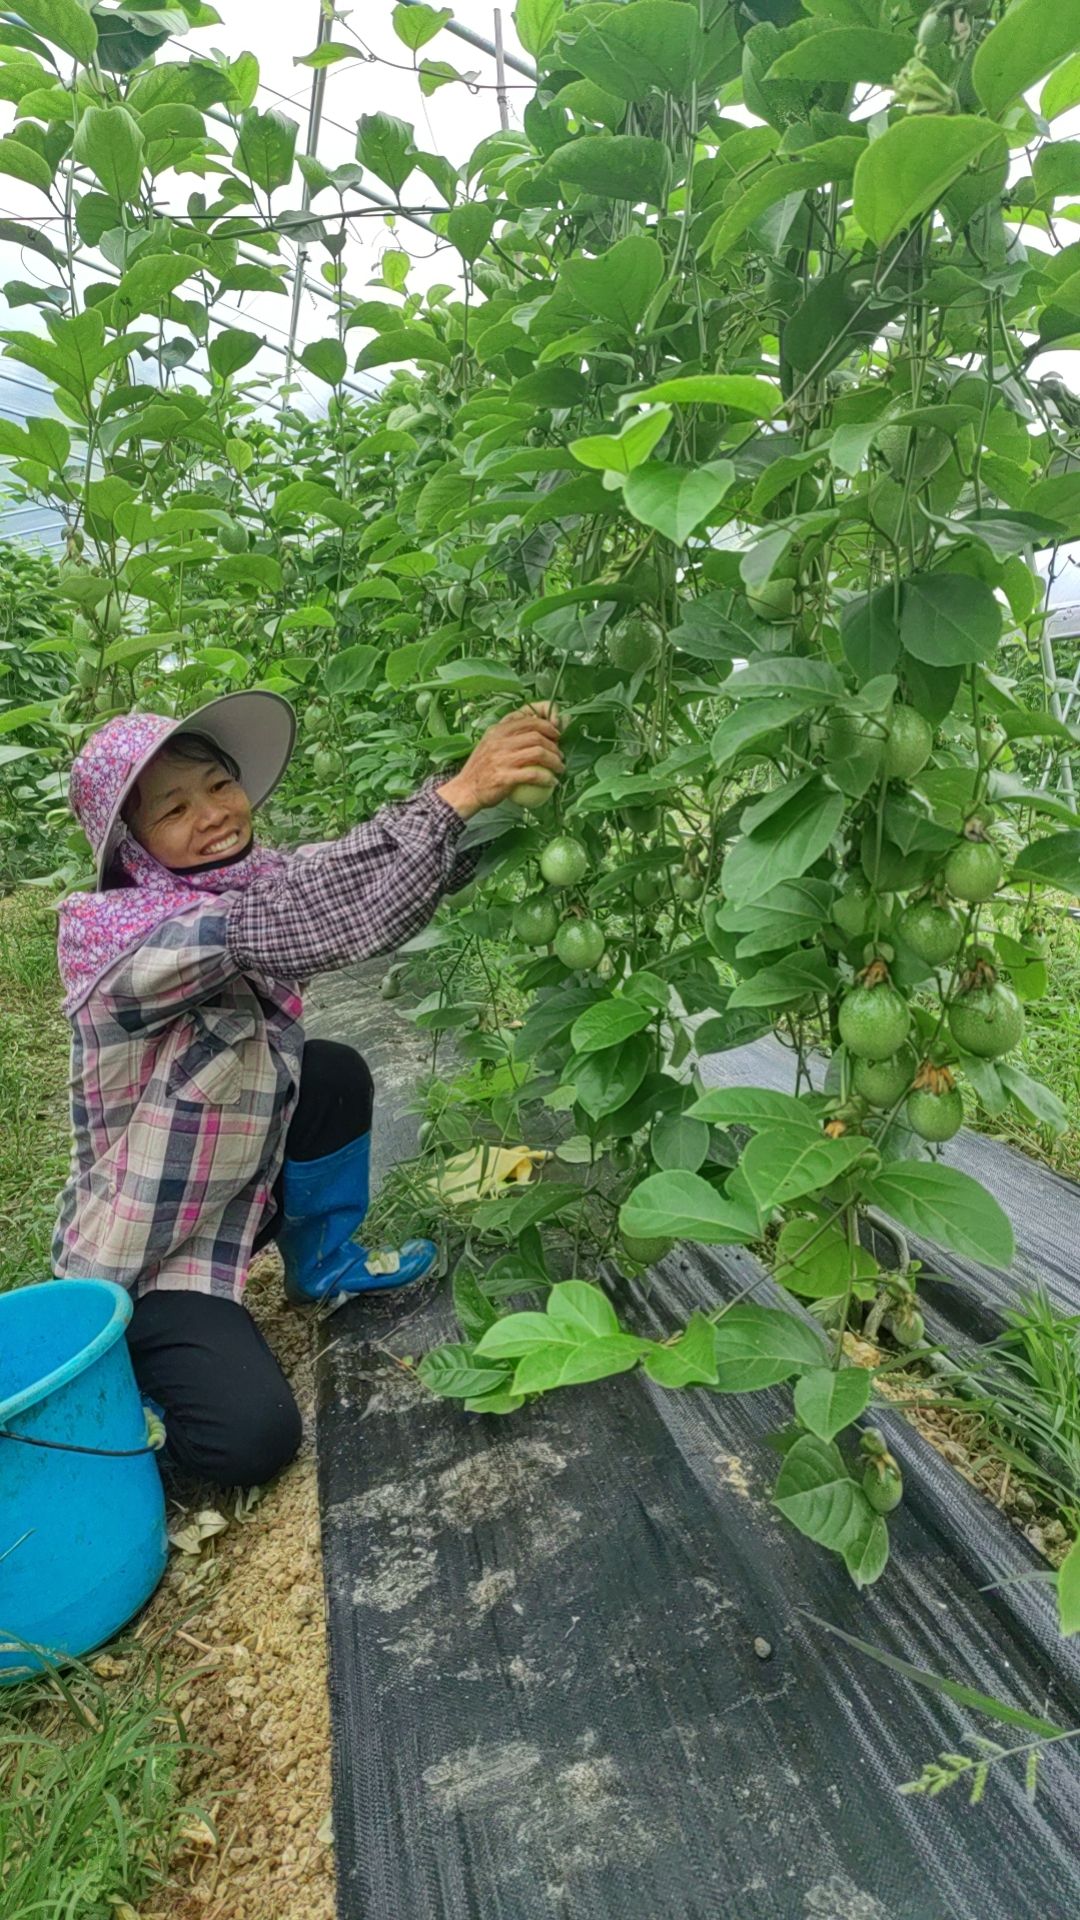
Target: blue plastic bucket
82 1536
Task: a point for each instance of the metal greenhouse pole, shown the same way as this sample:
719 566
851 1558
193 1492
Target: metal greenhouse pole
318 89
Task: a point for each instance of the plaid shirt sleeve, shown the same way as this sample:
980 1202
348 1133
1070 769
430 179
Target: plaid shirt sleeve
351 898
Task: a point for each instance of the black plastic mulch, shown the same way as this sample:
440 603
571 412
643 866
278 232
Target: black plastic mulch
572 1672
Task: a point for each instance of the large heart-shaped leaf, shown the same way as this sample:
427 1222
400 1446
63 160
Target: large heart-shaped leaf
683 1206
945 1205
619 284
676 500
910 167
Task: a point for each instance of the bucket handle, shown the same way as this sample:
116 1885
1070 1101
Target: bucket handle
62 1446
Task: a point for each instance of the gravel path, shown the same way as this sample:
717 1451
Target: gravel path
254 1691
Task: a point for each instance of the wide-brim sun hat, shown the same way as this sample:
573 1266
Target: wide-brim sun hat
256 729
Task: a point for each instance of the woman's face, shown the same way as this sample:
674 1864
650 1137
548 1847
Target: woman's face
190 814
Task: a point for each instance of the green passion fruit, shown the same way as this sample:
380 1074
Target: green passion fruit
773 600
687 887
974 871
908 745
932 932
580 944
564 861
987 1020
874 1021
635 644
882 1483
907 1326
933 1115
646 1252
536 921
883 1082
233 537
851 909
647 889
325 764
532 794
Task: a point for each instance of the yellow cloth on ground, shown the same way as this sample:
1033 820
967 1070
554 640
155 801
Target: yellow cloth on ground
484 1170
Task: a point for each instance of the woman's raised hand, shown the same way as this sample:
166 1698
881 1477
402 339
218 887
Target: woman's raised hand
522 749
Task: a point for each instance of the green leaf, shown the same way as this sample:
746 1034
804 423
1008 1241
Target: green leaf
749 726
259 570
783 1163
64 23
622 452
844 53
827 1401
949 620
469 228
608 1023
945 1205
452 1372
405 343
108 141
785 844
1052 862
640 47
1030 39
515 1334
909 168
557 1365
786 981
233 349
617 166
432 75
581 1311
683 1206
817 1494
817 1262
833 159
741 392
689 1361
329 54
535 22
149 282
326 359
679 1143
415 26
24 163
605 1081
1068 1590
266 148
676 500
25 716
752 1107
386 146
619 284
350 670
761 1346
1033 1098
870 635
1062 90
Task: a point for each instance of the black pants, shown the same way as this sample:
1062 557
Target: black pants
230 1415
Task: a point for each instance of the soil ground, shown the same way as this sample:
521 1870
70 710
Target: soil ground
252 1651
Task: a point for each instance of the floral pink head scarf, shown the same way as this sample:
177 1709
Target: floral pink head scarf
97 929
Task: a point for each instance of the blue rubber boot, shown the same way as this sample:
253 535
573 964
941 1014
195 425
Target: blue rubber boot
324 1203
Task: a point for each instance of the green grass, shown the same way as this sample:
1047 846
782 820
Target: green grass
34 1142
1030 1376
90 1809
1051 1052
